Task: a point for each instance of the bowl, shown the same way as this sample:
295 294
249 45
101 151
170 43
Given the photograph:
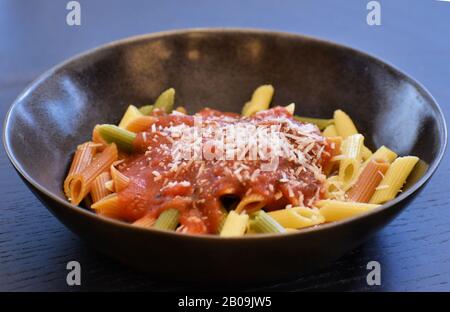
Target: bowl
219 68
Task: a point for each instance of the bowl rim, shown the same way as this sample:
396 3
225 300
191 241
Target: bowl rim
227 30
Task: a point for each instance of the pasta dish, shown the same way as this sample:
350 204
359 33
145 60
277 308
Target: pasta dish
265 170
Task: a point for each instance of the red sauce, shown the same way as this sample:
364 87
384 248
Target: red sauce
159 180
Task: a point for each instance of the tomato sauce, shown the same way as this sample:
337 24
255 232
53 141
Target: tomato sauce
160 179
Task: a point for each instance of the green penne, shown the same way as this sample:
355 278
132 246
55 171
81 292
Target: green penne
123 138
146 109
319 122
264 223
166 100
167 220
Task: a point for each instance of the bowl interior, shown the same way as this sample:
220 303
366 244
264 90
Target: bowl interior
218 69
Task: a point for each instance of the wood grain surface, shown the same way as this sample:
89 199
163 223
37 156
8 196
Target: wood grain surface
414 250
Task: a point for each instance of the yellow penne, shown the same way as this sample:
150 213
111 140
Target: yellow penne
394 179
250 203
351 158
298 217
290 108
260 100
181 109
82 181
346 127
366 153
368 180
383 153
344 124
98 189
140 123
334 188
109 207
334 210
235 225
82 158
330 131
146 221
120 180
131 113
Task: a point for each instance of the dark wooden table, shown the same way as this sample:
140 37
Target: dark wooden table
414 251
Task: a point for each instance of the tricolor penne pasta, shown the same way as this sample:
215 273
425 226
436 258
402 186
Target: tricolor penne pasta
164 169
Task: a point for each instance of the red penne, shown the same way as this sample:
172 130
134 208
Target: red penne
81 182
368 180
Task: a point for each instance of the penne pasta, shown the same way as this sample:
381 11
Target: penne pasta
235 225
394 179
181 109
298 217
366 153
250 203
368 180
383 153
345 127
333 210
98 189
291 109
166 100
82 158
349 165
140 124
260 100
121 137
97 138
81 182
120 180
330 131
146 221
264 223
146 109
344 124
109 207
334 188
167 220
322 168
131 113
222 222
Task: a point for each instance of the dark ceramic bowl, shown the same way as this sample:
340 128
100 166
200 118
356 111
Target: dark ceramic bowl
219 68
